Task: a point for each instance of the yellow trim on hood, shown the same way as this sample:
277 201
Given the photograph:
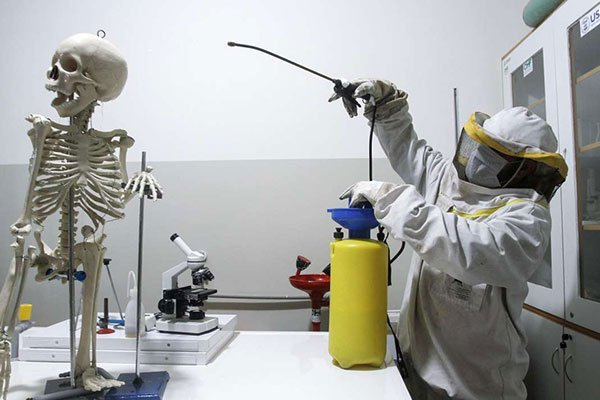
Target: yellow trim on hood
476 132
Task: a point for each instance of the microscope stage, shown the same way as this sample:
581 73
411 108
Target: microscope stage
186 325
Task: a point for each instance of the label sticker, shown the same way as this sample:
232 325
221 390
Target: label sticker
459 293
527 67
589 21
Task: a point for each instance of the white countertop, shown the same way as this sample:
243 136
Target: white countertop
254 365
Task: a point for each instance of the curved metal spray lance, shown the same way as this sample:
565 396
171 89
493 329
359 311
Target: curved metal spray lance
344 89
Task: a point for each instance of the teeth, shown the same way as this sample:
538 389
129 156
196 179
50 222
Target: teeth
56 89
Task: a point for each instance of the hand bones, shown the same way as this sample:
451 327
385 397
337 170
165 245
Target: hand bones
141 181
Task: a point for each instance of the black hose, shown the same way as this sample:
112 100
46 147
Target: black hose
398 253
400 364
371 144
371 178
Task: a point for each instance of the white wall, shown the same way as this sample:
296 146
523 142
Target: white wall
189 97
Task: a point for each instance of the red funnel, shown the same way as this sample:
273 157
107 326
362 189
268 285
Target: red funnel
316 285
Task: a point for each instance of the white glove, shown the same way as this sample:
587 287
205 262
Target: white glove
370 191
373 92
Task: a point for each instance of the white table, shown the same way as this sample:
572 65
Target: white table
254 365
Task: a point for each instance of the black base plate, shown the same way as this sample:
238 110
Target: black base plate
60 385
152 387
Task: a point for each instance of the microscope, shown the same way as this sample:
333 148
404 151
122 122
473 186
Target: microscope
181 306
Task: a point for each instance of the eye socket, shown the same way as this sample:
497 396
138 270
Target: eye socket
68 63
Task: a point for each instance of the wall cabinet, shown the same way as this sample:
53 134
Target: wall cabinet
545 378
563 362
555 72
580 366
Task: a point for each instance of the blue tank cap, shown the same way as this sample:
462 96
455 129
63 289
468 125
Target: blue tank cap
358 221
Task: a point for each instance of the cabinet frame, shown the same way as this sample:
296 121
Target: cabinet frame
578 310
548 299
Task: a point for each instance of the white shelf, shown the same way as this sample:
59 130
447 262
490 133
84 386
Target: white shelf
588 74
591 225
589 147
587 98
51 344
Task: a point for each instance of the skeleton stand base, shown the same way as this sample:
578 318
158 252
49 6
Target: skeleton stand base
151 387
59 389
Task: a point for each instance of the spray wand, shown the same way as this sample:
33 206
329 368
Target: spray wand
344 89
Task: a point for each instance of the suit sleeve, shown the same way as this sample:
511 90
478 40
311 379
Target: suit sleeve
412 158
503 250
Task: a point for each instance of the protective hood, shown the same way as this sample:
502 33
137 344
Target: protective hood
520 135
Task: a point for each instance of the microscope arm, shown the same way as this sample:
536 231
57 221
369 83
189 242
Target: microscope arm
169 277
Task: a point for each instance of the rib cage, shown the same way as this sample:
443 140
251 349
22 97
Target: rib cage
88 165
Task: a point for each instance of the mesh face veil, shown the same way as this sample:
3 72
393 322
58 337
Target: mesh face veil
538 170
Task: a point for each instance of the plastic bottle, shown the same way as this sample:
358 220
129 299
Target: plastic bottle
131 309
358 291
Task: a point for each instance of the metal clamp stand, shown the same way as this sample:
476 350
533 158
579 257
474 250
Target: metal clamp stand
147 385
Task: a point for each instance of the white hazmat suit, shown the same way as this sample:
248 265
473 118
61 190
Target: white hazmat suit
474 250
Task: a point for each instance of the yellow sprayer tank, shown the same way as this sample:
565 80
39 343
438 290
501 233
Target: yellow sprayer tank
358 302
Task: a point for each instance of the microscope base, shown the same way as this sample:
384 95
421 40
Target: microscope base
185 325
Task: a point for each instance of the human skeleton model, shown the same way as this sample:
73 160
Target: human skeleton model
79 160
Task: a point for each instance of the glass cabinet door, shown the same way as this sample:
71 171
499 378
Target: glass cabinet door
528 85
584 45
529 81
577 46
529 90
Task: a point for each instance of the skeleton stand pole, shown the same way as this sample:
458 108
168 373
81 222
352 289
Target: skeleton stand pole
138 326
149 385
71 275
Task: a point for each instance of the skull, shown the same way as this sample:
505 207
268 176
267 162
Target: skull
85 68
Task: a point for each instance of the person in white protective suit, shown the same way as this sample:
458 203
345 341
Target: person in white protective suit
479 226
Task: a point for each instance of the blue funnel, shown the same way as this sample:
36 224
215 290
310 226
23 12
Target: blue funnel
358 221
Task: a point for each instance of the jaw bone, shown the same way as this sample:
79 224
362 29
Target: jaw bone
68 105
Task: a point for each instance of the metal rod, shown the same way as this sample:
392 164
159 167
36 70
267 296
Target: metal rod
112 284
105 312
139 278
72 321
252 297
456 122
71 280
233 44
